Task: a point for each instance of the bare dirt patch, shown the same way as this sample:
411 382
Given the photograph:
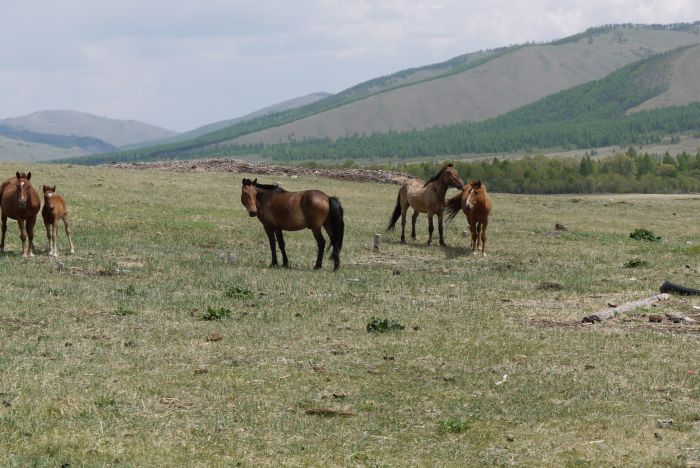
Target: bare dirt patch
247 167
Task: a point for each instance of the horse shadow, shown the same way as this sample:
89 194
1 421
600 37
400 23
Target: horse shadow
451 251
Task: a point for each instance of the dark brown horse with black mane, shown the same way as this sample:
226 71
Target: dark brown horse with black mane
476 204
279 210
19 200
425 197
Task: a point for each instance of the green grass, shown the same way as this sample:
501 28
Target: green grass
83 383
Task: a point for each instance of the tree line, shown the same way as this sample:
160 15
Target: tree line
628 172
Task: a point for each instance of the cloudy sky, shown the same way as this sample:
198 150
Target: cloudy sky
185 63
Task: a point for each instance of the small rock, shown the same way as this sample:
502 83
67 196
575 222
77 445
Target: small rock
656 318
510 438
68 344
612 304
201 370
560 227
657 436
664 423
588 367
214 337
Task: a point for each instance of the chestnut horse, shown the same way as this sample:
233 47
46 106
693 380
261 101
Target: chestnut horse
19 200
279 210
55 209
475 202
425 197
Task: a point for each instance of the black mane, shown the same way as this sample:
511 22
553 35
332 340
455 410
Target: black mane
438 175
274 188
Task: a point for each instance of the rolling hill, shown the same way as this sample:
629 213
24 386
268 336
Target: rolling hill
72 123
425 102
191 134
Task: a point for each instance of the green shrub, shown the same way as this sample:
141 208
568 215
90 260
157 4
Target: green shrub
376 325
216 314
644 235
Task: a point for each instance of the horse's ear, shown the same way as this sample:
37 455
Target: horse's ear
246 181
53 189
45 187
29 175
450 165
255 181
17 174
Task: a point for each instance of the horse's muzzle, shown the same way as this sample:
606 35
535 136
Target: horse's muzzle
22 204
252 214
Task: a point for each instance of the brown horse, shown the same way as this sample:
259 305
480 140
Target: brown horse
425 197
475 202
279 210
19 200
55 209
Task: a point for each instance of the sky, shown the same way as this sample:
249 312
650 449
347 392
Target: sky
181 64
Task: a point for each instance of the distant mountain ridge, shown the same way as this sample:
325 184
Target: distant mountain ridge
73 123
191 134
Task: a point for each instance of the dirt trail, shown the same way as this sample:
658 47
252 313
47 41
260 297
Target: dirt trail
247 167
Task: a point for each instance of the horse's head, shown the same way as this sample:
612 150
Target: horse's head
451 178
23 188
476 192
49 192
249 196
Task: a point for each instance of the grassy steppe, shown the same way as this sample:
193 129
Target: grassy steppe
107 361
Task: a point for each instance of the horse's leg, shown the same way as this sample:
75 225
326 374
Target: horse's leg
49 236
404 212
335 254
269 230
474 233
484 225
280 242
431 228
4 229
23 235
30 235
413 224
54 227
440 215
69 233
321 242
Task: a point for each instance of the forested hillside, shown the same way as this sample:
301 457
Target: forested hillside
587 116
437 98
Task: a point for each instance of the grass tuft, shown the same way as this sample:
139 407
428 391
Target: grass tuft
644 235
376 325
216 314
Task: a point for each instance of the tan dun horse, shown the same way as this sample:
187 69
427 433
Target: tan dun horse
425 197
475 202
279 210
55 209
19 200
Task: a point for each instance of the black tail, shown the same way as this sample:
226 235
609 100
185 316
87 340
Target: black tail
453 206
395 215
337 228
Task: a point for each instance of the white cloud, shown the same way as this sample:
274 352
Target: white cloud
183 63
